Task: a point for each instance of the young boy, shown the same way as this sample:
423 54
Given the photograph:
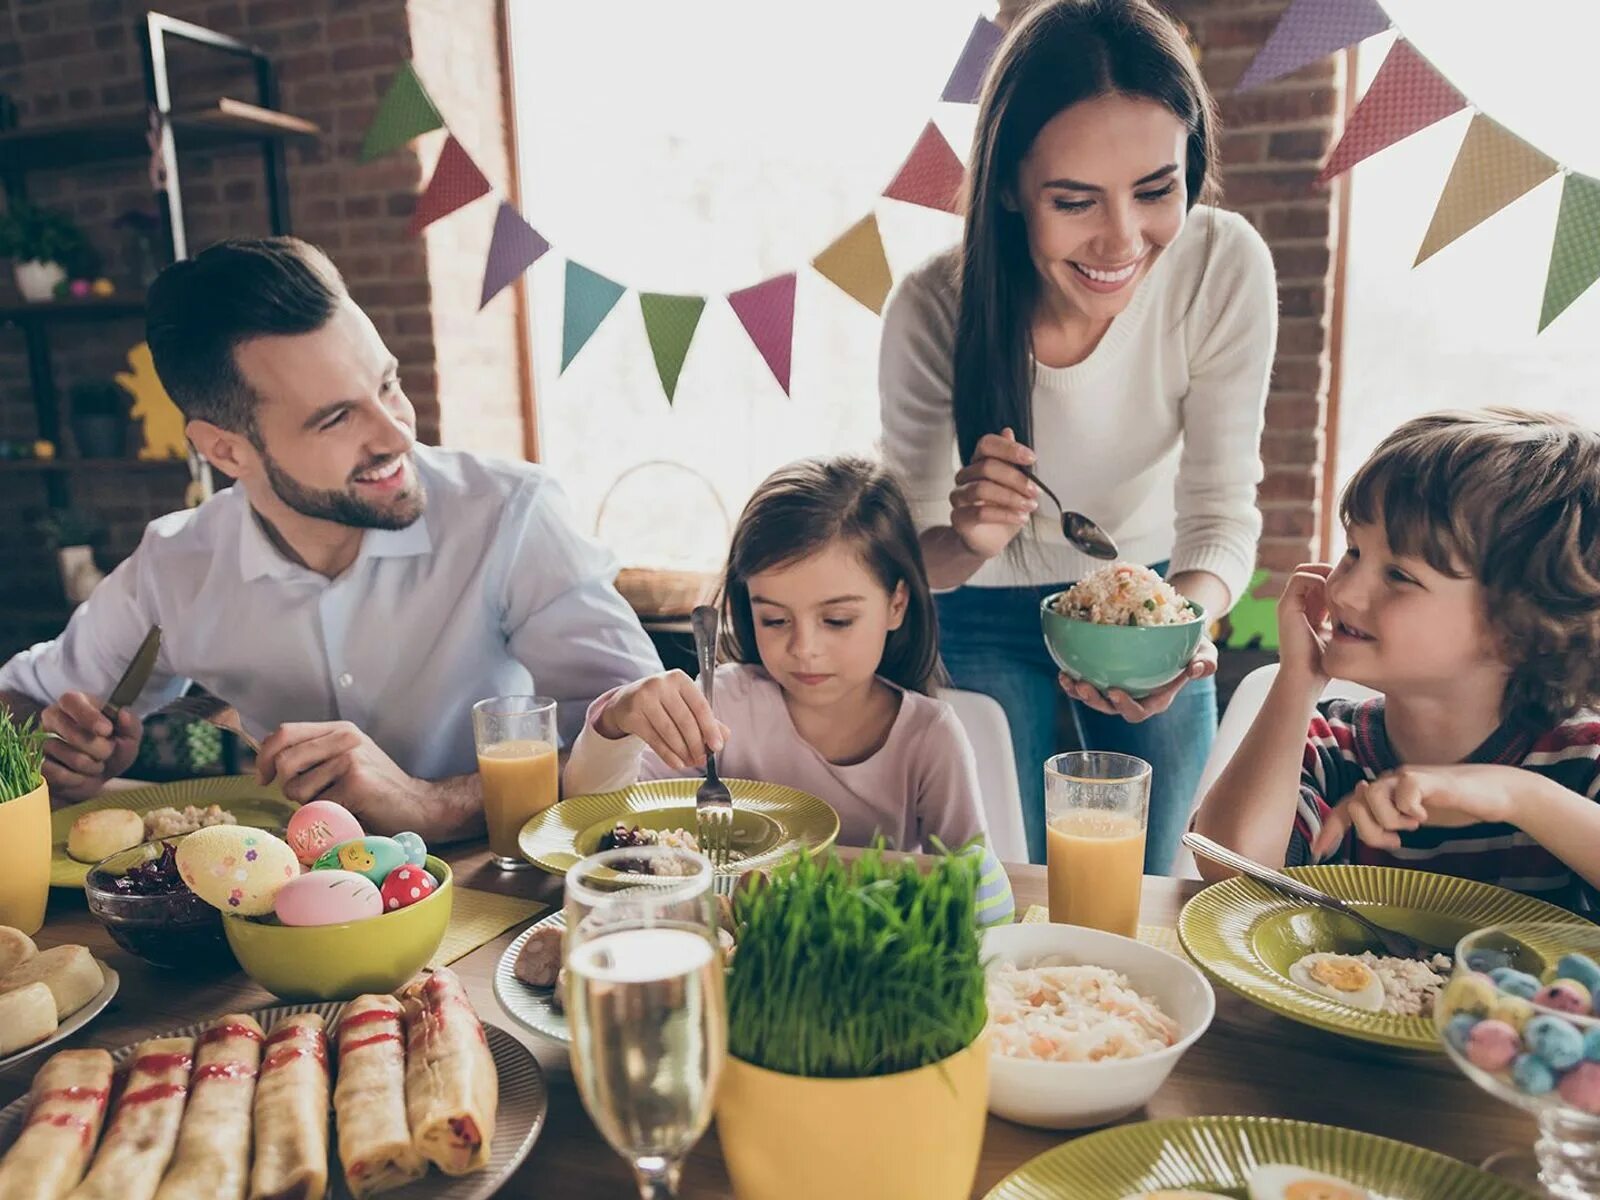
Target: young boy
1470 597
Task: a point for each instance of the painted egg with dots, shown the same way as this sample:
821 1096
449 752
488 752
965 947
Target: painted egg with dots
405 886
235 868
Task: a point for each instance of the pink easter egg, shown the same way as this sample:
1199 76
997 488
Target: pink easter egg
405 886
1493 1045
327 898
1580 1087
318 827
1564 995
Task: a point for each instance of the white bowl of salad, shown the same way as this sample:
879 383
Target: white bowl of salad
1085 1026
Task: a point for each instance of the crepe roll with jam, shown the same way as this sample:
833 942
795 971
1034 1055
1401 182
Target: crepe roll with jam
451 1085
212 1160
144 1124
291 1114
66 1107
369 1102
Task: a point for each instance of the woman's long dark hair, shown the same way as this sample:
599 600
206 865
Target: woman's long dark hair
801 509
1060 53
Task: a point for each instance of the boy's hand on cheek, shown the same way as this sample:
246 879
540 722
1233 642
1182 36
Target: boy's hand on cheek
1406 799
1303 629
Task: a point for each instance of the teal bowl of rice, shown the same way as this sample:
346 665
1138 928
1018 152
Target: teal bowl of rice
1122 627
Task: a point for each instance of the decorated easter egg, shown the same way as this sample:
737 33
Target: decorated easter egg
1581 968
1492 1045
318 827
405 886
327 898
415 849
1580 1087
1514 1011
1564 995
1553 1040
1472 994
371 855
1532 1075
1513 982
235 868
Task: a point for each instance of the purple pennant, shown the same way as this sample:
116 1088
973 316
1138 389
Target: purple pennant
767 313
966 81
1313 29
514 247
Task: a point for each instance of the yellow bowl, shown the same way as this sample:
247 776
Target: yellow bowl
337 962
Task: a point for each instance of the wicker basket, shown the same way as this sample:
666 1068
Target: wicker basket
661 593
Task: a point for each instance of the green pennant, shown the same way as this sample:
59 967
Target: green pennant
404 113
589 297
670 321
1575 254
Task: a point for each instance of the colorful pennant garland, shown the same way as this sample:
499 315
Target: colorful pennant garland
1492 168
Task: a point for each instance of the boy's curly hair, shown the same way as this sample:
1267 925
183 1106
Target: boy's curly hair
1511 499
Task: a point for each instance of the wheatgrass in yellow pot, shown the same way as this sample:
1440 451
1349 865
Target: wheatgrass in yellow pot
857 1064
24 825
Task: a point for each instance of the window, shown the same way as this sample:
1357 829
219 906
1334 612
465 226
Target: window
700 147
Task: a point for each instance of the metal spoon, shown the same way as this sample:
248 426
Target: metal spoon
1077 528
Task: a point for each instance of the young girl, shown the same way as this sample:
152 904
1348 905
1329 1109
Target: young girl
831 631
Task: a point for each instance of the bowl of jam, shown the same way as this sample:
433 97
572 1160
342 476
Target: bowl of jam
150 912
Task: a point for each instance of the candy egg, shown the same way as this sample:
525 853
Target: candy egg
1581 968
414 848
1459 1029
1580 1087
372 855
1514 1011
318 827
1474 994
235 868
327 898
1564 995
1532 1075
405 886
1591 1045
1492 1045
1514 982
1554 1041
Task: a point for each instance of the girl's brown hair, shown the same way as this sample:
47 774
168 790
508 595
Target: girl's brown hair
1511 499
803 508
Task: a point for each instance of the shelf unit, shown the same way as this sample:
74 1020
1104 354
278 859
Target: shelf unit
160 134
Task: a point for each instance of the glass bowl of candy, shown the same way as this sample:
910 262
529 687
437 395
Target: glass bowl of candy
1519 1017
150 912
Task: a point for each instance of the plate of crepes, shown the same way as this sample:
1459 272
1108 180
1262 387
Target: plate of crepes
426 1101
770 823
46 995
1319 967
84 834
1246 1158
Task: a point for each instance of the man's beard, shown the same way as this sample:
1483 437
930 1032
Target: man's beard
340 505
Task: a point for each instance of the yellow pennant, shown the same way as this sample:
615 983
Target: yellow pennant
1493 167
856 263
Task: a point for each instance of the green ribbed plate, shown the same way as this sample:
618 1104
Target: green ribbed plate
249 802
1245 937
1217 1154
770 822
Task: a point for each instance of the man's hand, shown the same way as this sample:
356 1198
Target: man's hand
333 760
1410 797
87 748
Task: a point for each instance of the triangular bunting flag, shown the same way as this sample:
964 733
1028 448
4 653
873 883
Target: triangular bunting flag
1309 30
932 174
966 81
670 322
1575 256
589 297
1493 167
456 183
856 264
1406 95
404 113
767 313
513 248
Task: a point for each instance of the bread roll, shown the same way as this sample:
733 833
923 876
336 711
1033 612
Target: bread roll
27 1017
105 832
73 976
16 948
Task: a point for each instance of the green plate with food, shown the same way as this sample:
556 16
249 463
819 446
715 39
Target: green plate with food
1246 1158
1317 967
770 823
163 810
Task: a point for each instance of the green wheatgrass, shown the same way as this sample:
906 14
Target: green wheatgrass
859 969
21 756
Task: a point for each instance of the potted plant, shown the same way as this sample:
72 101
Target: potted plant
857 1061
71 534
24 824
44 246
100 418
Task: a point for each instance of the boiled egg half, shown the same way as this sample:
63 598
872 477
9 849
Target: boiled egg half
1279 1181
1341 978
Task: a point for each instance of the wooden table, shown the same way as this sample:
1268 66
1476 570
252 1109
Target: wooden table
1249 1062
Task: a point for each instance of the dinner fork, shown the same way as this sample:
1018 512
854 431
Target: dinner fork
1395 943
213 711
713 803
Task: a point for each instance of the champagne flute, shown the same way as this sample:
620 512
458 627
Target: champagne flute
645 1004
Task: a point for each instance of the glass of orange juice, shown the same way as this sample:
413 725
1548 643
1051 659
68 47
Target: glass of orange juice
1095 805
516 740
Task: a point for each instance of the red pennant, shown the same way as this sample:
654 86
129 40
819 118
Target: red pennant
932 174
456 182
1407 94
767 313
